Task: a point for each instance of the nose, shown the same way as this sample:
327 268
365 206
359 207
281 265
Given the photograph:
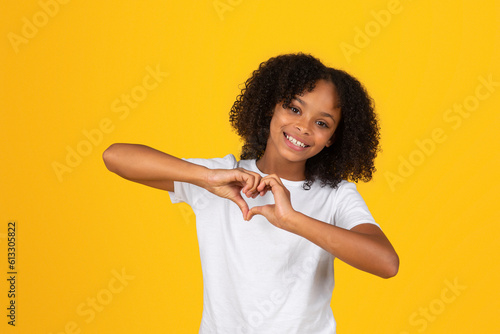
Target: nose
302 126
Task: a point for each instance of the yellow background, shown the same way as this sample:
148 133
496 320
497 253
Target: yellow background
76 231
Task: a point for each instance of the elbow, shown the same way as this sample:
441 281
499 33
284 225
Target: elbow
391 266
109 156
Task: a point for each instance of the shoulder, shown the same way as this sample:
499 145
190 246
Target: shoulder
345 191
346 186
248 165
227 162
342 187
350 207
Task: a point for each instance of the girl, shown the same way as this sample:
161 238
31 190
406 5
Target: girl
270 225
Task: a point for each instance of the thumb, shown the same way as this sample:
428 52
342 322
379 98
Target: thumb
256 210
240 202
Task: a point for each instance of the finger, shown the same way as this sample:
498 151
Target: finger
252 181
256 210
256 182
267 183
278 189
240 202
264 210
262 185
247 181
276 178
265 190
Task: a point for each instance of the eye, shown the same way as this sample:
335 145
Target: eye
322 124
295 110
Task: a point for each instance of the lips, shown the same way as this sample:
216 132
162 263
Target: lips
295 141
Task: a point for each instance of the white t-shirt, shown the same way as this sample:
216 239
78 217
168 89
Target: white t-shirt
258 278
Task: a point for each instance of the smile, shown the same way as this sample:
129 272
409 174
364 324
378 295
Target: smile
295 141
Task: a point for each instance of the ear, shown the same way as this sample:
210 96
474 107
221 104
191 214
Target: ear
330 141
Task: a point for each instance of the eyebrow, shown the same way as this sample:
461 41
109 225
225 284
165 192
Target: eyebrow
322 113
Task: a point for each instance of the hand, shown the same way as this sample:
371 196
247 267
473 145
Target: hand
279 212
228 183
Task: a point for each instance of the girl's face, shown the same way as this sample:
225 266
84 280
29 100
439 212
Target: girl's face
302 130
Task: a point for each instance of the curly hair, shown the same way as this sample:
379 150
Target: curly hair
279 80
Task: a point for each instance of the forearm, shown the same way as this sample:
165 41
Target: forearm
370 251
146 165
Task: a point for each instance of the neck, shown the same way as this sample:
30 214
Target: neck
292 171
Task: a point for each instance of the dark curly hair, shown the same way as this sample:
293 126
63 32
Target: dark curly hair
279 80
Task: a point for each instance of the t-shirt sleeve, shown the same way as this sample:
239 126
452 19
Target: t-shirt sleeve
192 194
351 209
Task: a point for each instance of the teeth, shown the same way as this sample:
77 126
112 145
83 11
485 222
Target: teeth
295 141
